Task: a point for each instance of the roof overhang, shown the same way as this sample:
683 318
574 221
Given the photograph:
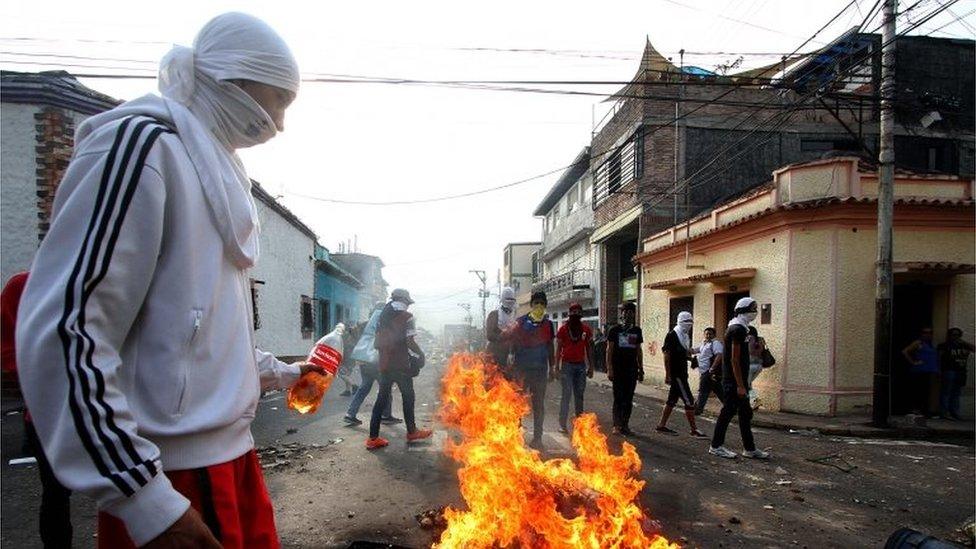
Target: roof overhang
713 277
932 268
618 223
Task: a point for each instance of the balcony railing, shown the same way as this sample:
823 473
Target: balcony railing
577 279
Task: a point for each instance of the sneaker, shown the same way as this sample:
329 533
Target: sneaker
721 452
756 454
625 431
390 420
353 420
698 434
665 429
376 443
419 434
616 430
536 444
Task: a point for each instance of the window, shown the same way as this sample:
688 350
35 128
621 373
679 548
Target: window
587 190
308 319
572 197
256 317
622 166
340 313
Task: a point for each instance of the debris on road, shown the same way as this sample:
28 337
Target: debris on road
734 520
292 430
432 519
781 471
23 461
834 460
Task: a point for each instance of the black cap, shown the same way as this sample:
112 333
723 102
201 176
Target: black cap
539 296
629 306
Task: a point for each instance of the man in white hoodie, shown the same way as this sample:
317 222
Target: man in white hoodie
134 334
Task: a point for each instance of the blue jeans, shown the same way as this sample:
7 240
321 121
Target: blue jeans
952 383
573 377
534 382
369 374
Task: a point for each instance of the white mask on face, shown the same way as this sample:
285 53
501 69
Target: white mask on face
751 317
399 305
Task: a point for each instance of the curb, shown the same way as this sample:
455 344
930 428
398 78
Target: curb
852 430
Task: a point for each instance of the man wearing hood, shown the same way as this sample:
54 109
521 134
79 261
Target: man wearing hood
677 351
735 384
135 334
496 324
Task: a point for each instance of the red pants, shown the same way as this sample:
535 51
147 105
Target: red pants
231 498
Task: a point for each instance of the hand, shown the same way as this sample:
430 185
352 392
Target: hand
189 531
741 391
307 367
589 372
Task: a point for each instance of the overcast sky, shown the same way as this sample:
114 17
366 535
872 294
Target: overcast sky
378 142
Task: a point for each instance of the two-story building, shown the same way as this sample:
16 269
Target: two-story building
679 140
367 269
338 294
569 267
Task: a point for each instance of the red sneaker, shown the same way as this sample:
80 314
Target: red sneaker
376 443
419 435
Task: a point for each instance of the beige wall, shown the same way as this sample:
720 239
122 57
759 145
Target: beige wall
820 284
767 255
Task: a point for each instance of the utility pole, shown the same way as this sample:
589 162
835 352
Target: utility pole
482 293
886 200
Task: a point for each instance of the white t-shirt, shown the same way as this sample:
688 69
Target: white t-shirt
707 352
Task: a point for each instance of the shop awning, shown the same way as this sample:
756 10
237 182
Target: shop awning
612 227
714 276
933 267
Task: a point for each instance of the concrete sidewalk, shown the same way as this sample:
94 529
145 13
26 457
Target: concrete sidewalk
912 427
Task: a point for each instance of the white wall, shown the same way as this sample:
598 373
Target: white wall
288 273
18 188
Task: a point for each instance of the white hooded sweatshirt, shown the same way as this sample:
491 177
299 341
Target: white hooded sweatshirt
134 333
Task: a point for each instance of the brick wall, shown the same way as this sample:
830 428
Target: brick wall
54 137
609 284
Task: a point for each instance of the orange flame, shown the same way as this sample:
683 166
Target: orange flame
516 498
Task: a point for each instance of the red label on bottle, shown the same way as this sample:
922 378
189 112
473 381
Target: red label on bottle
326 357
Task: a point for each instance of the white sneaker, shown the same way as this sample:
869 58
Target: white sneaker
721 452
756 454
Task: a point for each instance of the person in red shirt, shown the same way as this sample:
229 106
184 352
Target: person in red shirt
54 524
573 364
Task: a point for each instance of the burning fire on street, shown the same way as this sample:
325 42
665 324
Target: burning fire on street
513 496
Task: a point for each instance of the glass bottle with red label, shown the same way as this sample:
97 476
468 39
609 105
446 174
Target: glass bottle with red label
305 396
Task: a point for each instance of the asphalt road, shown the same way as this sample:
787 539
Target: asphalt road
817 491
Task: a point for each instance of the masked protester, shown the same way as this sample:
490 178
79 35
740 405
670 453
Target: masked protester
532 340
677 351
735 384
625 366
573 341
135 340
369 370
395 332
710 356
497 323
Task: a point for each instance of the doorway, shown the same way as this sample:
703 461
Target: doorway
912 310
725 310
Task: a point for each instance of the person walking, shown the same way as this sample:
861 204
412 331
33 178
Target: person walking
709 360
573 341
625 366
923 369
677 350
535 359
369 370
735 385
954 356
395 332
135 336
498 322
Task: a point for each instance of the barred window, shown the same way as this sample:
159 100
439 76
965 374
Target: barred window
621 166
